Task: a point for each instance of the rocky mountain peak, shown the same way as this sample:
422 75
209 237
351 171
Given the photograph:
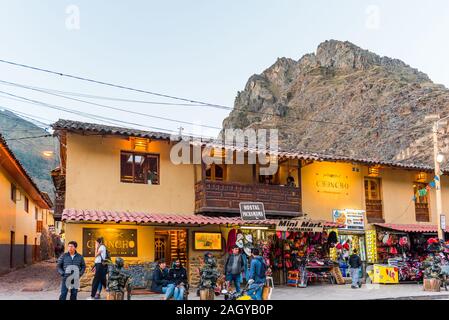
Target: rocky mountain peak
343 83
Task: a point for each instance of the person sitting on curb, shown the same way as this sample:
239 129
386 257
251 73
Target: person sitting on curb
178 282
160 278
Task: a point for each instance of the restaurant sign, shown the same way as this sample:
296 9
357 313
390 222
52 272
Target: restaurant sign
252 211
299 225
351 219
120 242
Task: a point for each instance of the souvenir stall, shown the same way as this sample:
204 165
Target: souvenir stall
407 251
302 256
247 238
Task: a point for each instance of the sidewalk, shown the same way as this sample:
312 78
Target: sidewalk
41 282
318 292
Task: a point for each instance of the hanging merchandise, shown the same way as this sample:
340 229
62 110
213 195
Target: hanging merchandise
231 242
371 246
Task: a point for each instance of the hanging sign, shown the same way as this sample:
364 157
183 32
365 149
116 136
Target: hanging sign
252 211
299 225
351 219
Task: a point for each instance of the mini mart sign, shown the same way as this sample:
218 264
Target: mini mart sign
299 225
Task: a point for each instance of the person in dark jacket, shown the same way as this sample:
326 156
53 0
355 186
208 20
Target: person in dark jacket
234 267
160 278
355 263
178 282
67 265
258 274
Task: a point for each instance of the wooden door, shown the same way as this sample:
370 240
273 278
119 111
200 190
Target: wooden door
12 244
25 249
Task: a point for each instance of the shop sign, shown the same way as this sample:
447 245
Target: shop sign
252 211
332 183
299 225
351 219
120 242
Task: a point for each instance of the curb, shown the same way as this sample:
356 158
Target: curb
432 297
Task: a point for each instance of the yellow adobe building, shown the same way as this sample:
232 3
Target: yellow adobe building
24 212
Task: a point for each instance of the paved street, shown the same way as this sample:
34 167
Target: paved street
40 282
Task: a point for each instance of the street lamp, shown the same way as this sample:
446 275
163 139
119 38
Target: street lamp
438 160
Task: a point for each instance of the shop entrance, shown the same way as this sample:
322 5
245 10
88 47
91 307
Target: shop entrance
171 245
25 251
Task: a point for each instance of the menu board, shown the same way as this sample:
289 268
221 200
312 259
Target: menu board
371 246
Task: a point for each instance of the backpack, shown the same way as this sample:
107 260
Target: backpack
107 258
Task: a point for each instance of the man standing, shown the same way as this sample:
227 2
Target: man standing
71 267
258 274
234 267
355 263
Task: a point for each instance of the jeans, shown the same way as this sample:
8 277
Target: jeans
356 282
99 278
236 278
65 291
169 290
179 293
245 265
172 290
255 291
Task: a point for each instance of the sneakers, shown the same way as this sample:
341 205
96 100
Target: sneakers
90 298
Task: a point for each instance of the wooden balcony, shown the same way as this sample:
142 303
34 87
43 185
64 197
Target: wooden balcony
374 211
225 197
422 212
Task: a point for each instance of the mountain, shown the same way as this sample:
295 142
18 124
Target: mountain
30 152
345 101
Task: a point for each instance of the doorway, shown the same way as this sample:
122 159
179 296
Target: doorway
12 244
171 245
25 250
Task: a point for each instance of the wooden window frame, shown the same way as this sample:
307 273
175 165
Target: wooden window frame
145 154
26 204
213 176
379 181
418 203
13 193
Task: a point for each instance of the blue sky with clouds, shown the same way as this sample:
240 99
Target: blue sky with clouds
199 49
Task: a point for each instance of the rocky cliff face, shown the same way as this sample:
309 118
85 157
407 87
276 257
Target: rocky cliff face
344 101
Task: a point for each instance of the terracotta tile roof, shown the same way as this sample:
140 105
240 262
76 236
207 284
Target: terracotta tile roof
104 216
417 228
82 127
45 197
103 129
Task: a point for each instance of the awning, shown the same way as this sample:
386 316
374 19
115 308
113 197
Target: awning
104 216
413 228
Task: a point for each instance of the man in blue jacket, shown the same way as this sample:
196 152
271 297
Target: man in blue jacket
67 264
258 274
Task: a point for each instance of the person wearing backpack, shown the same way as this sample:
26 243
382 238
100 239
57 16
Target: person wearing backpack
257 273
355 263
101 257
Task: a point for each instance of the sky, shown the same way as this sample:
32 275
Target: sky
200 49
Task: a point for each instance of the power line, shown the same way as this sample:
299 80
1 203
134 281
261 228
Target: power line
107 83
109 107
108 120
27 138
193 101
